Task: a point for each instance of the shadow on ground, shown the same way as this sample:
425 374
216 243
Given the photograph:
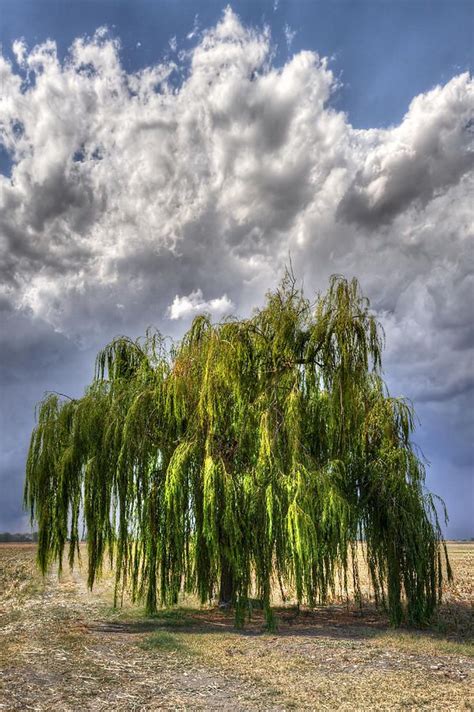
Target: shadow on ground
454 622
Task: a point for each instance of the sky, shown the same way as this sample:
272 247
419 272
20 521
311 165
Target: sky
158 159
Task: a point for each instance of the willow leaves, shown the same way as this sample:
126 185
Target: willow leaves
251 452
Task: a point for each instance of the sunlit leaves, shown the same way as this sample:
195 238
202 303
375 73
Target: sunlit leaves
251 451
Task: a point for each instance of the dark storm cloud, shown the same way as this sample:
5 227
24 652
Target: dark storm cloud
33 359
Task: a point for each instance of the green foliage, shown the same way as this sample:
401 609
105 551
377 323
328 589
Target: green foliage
253 451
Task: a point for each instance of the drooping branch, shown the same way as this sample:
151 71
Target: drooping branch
248 452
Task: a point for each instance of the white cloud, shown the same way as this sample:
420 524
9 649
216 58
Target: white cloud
194 303
126 188
289 36
414 162
195 31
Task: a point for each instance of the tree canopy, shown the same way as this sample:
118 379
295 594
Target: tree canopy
252 452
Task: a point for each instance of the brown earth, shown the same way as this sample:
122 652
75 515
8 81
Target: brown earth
64 648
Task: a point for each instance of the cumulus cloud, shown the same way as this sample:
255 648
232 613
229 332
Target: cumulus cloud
206 171
183 307
412 163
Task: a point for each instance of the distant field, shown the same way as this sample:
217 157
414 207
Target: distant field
63 648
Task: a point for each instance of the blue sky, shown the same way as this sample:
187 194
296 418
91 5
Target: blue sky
194 199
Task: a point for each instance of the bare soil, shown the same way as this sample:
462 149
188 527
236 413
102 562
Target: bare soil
64 648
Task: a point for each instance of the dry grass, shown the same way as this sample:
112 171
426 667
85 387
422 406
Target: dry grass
62 648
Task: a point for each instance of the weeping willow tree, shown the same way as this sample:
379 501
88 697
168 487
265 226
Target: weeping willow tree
252 453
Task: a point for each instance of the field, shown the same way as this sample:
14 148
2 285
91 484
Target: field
63 648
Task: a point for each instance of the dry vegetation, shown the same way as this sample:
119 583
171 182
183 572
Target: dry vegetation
62 648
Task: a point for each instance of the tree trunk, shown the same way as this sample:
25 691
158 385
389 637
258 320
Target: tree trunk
226 591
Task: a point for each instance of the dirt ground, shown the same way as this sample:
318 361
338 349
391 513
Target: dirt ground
63 648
